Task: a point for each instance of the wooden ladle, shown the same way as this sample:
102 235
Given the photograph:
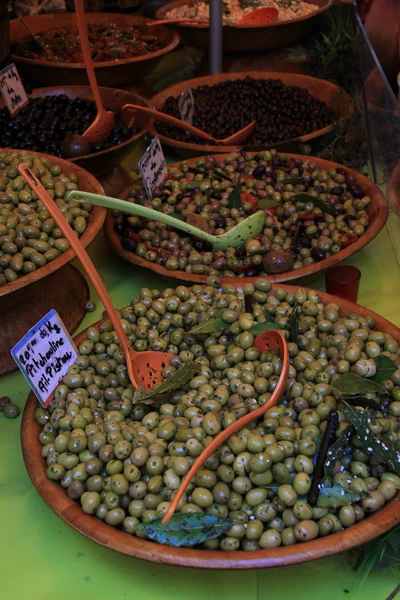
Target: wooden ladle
144 368
271 339
237 138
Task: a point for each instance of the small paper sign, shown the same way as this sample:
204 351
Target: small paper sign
44 355
12 90
153 167
186 105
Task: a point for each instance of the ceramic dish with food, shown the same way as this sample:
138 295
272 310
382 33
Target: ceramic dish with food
316 214
119 58
287 107
31 246
108 459
295 22
55 112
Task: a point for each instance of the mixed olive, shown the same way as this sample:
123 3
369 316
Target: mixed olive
123 460
281 112
298 232
29 237
45 122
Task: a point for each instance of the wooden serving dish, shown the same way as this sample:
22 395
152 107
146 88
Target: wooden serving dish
9 293
110 73
251 38
101 163
377 211
323 90
56 497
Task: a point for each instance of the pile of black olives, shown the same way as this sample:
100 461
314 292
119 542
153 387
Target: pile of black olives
43 124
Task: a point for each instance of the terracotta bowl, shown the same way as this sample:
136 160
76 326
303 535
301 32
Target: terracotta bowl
101 163
110 73
115 539
323 90
251 38
16 290
377 211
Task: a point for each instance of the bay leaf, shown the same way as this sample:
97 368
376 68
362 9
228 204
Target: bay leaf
293 323
332 497
303 197
385 368
292 180
351 384
184 374
266 203
337 450
264 326
211 325
222 175
382 449
234 199
185 529
363 401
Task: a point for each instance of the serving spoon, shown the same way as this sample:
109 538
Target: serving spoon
261 16
238 138
144 368
247 229
271 339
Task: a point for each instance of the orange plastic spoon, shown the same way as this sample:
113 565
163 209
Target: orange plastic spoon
271 339
239 137
144 368
101 127
176 22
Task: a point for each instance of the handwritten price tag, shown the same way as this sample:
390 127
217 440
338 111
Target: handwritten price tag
44 355
186 105
12 90
153 168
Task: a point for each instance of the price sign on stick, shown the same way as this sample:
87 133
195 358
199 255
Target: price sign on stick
153 168
12 90
44 355
186 105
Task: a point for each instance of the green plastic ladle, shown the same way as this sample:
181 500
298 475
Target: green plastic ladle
245 230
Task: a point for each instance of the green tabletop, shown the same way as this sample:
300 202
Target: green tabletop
43 558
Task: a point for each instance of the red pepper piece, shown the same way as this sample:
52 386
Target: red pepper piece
270 211
349 238
134 236
246 177
245 268
247 197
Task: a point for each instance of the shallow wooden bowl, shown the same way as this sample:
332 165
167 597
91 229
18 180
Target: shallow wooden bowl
100 163
377 211
56 497
14 292
251 38
110 73
323 90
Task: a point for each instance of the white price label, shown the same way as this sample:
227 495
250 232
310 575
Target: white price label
153 167
12 90
44 355
186 105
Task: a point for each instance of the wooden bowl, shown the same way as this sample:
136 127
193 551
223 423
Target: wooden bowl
100 163
248 39
56 497
13 292
377 211
323 90
110 73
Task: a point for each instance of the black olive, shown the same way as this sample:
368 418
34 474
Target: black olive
129 245
317 253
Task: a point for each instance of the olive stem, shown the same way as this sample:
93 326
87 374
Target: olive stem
248 303
327 440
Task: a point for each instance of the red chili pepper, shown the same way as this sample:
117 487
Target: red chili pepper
247 197
270 211
134 236
349 238
246 177
245 268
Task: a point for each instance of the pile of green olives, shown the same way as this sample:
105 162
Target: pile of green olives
123 460
29 236
297 232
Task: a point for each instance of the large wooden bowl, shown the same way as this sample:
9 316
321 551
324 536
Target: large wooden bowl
56 497
323 90
100 163
14 292
249 39
110 73
377 211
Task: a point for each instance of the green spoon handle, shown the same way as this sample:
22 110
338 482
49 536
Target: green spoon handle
137 209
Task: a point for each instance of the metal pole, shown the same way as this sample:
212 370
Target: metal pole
215 46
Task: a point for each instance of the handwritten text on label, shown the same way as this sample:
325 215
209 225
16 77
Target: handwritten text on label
186 105
12 90
153 167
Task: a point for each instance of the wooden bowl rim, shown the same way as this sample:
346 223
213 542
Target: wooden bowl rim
287 78
377 211
55 496
161 12
95 223
172 36
40 91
